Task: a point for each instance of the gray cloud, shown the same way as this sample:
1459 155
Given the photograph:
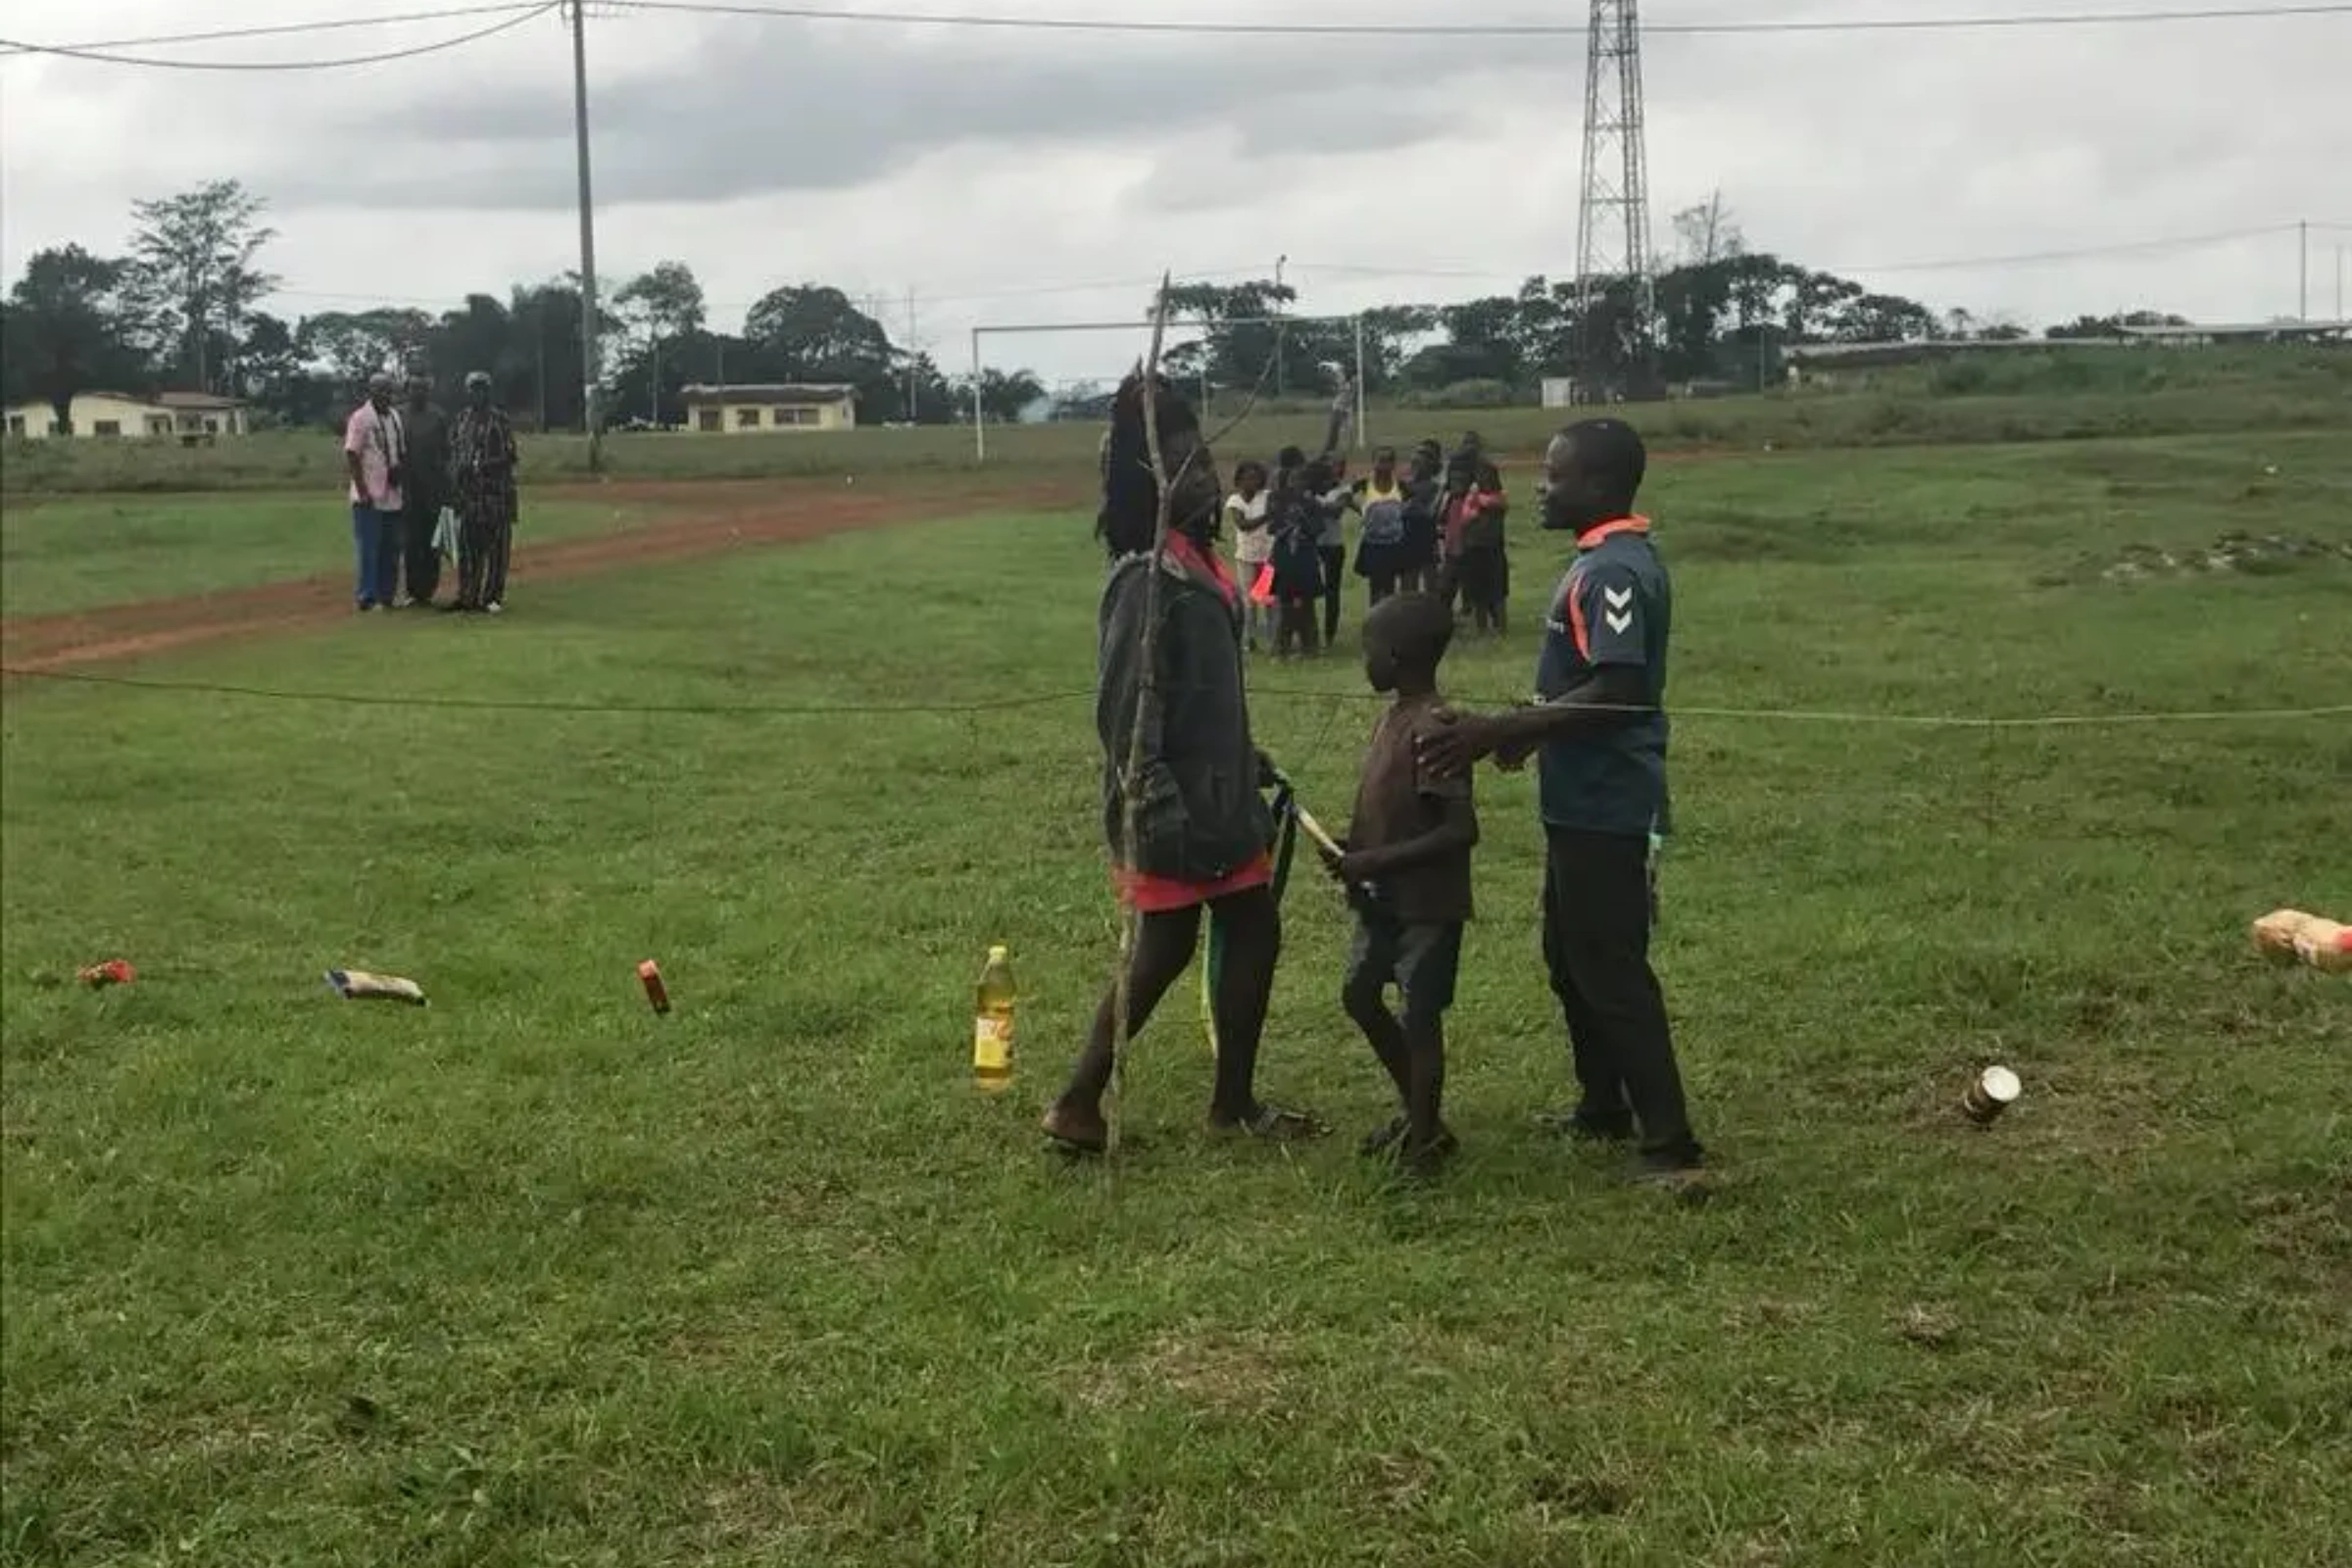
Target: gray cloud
959 161
755 109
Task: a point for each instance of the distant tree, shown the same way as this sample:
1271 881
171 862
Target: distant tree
270 372
1812 301
1448 364
658 307
813 333
1390 334
543 373
1004 394
1707 234
931 396
69 330
1694 305
194 272
353 345
1864 317
1487 331
2099 327
1237 325
481 335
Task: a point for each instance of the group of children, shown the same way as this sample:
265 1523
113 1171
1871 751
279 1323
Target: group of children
1437 527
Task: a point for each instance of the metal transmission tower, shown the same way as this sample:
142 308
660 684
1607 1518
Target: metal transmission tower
1613 220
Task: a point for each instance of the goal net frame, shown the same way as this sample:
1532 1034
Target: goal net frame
1203 324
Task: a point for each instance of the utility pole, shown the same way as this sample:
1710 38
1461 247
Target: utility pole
2303 270
1280 262
1361 436
590 372
914 399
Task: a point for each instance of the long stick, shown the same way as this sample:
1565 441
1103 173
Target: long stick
1131 776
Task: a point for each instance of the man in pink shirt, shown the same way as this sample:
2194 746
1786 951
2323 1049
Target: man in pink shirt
372 453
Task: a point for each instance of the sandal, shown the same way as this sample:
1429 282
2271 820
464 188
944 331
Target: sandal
1275 1125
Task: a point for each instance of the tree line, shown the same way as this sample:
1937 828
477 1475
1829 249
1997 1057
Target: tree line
180 309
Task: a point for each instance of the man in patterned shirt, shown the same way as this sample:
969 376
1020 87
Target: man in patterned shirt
481 461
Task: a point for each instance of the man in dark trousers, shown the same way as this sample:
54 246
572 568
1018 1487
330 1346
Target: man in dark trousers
481 464
1598 727
425 491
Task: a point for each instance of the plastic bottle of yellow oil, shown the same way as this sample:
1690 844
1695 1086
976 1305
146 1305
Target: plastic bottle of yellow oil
992 1023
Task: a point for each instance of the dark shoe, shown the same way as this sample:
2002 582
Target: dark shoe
1578 1127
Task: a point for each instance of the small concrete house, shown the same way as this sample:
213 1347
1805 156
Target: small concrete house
763 408
193 419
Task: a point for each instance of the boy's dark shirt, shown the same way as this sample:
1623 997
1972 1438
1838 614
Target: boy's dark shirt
1398 800
1297 562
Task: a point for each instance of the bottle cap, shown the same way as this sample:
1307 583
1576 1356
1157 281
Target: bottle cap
998 953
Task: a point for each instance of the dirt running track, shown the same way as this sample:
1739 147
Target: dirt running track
706 518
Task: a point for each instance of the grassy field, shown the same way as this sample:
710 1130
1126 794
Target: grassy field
2076 395
87 552
532 1277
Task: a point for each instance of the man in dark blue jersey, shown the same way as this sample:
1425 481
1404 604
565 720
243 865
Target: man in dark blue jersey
1598 730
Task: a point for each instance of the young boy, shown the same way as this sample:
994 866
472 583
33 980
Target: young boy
1327 479
1484 566
1424 520
1297 568
1407 863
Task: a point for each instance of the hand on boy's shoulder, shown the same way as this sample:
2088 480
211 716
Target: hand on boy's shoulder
1434 736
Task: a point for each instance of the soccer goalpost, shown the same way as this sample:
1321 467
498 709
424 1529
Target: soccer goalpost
1141 330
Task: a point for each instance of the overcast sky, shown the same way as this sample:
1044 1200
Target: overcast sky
991 171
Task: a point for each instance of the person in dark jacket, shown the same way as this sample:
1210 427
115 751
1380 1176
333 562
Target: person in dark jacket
1201 829
1300 566
425 491
1424 519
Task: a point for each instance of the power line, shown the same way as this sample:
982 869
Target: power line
518 12
2035 258
951 296
1042 698
286 29
1954 265
930 296
1472 30
107 57
528 705
98 49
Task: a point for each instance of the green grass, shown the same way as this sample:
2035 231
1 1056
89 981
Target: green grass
2077 395
765 1282
85 552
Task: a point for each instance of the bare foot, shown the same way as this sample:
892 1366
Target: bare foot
1077 1130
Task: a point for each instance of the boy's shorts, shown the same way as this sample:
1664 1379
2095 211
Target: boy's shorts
1421 961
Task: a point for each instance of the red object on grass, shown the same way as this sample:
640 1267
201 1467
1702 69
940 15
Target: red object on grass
650 974
113 972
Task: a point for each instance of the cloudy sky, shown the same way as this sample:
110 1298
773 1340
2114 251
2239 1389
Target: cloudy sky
997 173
